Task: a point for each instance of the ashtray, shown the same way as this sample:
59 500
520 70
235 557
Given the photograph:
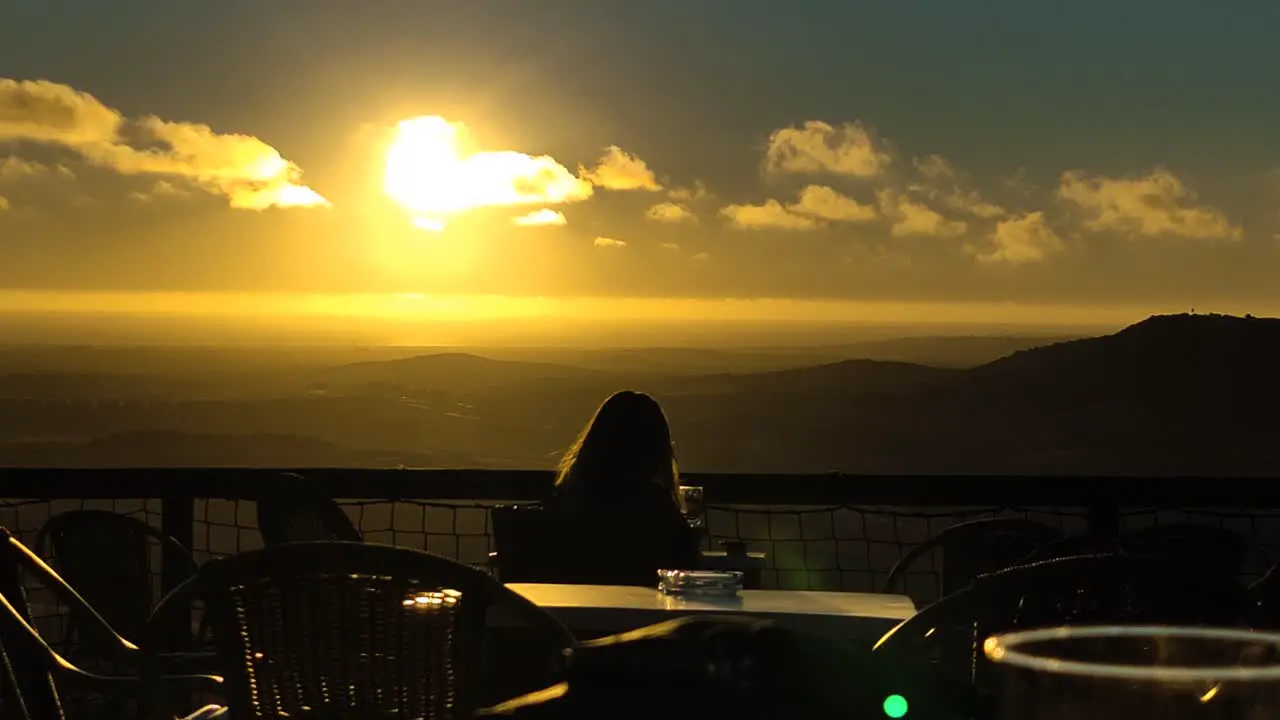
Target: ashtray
702 583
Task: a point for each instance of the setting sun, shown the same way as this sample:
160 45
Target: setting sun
433 177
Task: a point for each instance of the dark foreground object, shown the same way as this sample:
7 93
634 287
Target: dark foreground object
705 667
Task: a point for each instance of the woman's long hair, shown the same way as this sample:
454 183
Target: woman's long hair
627 443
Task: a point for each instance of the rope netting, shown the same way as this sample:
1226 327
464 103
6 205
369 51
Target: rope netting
839 548
836 548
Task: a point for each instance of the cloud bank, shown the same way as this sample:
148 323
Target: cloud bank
1156 204
619 170
931 198
245 170
818 147
538 218
670 212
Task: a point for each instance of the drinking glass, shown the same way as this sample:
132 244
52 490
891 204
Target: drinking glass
1126 672
691 505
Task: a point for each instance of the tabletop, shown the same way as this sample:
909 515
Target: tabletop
613 608
751 602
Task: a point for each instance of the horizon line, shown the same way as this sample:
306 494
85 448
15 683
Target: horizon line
446 308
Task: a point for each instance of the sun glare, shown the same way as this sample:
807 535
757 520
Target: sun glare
432 177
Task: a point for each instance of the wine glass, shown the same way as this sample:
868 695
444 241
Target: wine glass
691 505
1124 672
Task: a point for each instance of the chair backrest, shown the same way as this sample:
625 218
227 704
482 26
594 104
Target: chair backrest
1208 552
1212 552
1090 589
27 690
350 628
972 548
291 513
598 548
108 557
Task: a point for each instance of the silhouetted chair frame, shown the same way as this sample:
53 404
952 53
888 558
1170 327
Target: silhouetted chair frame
53 540
1102 573
280 506
1225 552
300 576
1022 535
1054 587
1264 600
17 631
1229 552
1153 540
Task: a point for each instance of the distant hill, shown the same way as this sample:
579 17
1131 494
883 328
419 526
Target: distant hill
446 371
1169 361
847 377
1174 394
952 352
1171 395
93 386
679 361
940 351
164 448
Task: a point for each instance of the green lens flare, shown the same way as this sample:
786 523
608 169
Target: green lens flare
895 706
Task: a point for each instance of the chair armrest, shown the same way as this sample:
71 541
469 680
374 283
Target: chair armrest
65 671
206 661
120 647
133 687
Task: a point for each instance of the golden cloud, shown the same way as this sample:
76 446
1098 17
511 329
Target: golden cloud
16 168
670 212
432 177
695 193
620 170
934 167
769 215
1157 204
608 242
251 174
819 147
942 184
822 202
248 172
673 247
544 216
4 203
915 218
161 189
43 111
1019 240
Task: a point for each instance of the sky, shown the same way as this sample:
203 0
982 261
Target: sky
1002 154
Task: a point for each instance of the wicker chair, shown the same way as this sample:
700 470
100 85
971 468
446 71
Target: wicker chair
338 629
919 658
33 671
107 557
1203 549
972 548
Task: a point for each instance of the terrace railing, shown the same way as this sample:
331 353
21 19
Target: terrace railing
820 532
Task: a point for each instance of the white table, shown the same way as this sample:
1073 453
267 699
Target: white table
602 609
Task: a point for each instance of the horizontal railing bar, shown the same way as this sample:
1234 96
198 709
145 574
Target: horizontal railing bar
721 488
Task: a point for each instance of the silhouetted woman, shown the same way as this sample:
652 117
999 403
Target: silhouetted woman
624 452
623 467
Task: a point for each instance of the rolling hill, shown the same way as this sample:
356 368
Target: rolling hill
1171 395
843 378
446 371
